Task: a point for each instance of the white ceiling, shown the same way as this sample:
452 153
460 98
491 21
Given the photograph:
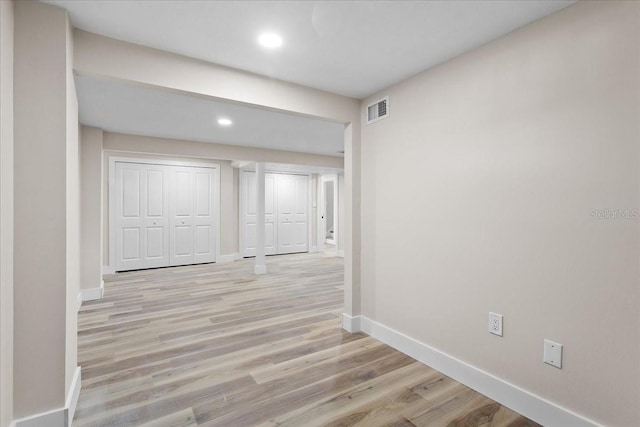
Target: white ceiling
139 110
353 48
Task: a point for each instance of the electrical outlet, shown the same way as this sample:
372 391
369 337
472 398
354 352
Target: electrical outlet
552 354
495 323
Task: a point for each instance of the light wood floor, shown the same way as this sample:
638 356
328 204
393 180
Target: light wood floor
215 345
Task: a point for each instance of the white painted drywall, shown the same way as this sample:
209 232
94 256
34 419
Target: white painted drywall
6 213
46 261
91 210
478 194
72 227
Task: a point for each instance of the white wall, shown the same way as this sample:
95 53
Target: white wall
46 260
477 196
91 202
6 213
72 226
341 214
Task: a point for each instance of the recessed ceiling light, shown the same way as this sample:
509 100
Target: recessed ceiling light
224 122
270 40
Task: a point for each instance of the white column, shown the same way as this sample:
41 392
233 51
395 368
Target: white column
46 225
260 265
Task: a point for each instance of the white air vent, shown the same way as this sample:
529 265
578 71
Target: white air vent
378 110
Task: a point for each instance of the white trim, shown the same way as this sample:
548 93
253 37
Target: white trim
61 417
242 192
79 301
107 269
91 294
524 402
181 163
260 269
54 418
313 249
310 211
229 257
111 197
74 393
341 253
351 323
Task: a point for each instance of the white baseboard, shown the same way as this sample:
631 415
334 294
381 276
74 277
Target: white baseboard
260 269
313 249
228 257
351 323
61 417
107 269
72 398
341 253
92 294
526 403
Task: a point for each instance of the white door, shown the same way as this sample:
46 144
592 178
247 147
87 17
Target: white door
270 215
293 231
164 215
250 207
193 233
204 215
286 205
141 216
182 223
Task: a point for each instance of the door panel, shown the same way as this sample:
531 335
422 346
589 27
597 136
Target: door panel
270 203
155 242
156 215
203 240
182 216
300 216
130 193
141 216
155 193
204 220
131 244
293 231
284 185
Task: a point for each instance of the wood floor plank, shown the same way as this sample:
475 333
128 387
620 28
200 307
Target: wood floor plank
216 345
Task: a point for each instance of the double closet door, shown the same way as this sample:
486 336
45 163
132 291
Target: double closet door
286 216
164 215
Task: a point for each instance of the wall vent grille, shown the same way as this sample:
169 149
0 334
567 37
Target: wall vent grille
378 110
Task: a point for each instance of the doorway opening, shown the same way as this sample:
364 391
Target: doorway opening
328 222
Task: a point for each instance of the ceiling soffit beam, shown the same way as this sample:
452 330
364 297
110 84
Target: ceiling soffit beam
108 58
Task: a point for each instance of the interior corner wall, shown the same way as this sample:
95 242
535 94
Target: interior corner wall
91 207
6 213
508 180
45 180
